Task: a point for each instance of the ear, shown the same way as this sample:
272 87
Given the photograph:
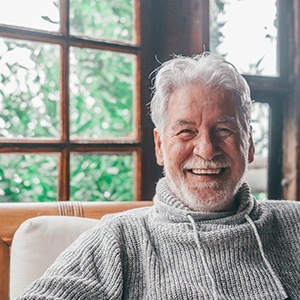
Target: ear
251 150
158 148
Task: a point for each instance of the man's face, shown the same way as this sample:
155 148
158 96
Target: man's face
204 148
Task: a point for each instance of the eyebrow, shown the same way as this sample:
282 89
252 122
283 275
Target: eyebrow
181 122
230 120
184 122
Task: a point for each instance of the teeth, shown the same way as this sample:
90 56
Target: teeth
206 171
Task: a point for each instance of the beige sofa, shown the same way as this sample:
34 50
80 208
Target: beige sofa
33 234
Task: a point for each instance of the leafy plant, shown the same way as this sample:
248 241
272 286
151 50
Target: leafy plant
101 106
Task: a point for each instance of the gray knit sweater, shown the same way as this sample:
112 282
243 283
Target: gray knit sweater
169 252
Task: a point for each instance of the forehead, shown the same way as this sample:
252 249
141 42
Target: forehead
194 102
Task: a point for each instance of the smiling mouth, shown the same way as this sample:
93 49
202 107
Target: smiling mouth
206 171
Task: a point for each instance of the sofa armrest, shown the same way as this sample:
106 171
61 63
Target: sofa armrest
4 269
36 245
12 215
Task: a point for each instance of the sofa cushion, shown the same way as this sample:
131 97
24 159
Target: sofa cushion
37 243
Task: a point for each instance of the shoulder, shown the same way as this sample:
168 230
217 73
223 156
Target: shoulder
115 230
281 205
135 215
285 211
128 221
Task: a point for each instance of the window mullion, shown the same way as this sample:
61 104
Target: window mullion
64 176
64 17
64 166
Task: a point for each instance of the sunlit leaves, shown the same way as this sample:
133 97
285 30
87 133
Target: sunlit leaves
101 94
101 102
28 178
29 89
102 177
105 19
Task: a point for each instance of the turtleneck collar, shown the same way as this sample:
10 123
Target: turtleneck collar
171 208
167 203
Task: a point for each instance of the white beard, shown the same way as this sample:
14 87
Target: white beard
209 197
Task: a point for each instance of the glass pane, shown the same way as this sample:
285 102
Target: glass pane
245 32
101 94
29 89
28 178
105 19
102 177
37 14
257 175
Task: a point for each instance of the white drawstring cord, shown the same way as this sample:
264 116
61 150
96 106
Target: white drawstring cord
261 250
215 294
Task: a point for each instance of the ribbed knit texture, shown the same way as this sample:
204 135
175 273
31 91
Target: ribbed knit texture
170 252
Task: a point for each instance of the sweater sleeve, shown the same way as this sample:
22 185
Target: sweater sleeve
90 268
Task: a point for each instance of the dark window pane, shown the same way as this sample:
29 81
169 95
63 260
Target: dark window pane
29 89
102 177
28 178
257 174
101 94
245 32
103 19
37 14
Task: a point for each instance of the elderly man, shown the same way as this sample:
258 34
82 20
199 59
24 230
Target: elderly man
205 237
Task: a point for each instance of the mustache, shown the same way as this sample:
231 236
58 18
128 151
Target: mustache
200 163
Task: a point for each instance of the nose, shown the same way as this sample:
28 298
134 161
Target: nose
206 146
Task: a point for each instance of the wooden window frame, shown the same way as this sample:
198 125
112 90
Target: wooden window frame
64 146
185 30
276 91
168 27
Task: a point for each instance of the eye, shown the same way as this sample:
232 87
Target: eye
224 132
186 134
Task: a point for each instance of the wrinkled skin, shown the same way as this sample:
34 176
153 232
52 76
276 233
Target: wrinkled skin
204 147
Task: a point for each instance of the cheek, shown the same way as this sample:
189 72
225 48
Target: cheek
179 152
235 149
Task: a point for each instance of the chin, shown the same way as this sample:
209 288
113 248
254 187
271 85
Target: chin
210 197
209 205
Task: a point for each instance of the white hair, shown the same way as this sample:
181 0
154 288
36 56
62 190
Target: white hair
210 71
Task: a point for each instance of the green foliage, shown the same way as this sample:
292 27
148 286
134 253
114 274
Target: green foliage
102 19
101 106
28 178
101 94
29 89
101 177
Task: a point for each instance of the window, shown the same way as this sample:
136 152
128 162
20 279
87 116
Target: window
251 46
83 113
256 49
70 100
257 173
